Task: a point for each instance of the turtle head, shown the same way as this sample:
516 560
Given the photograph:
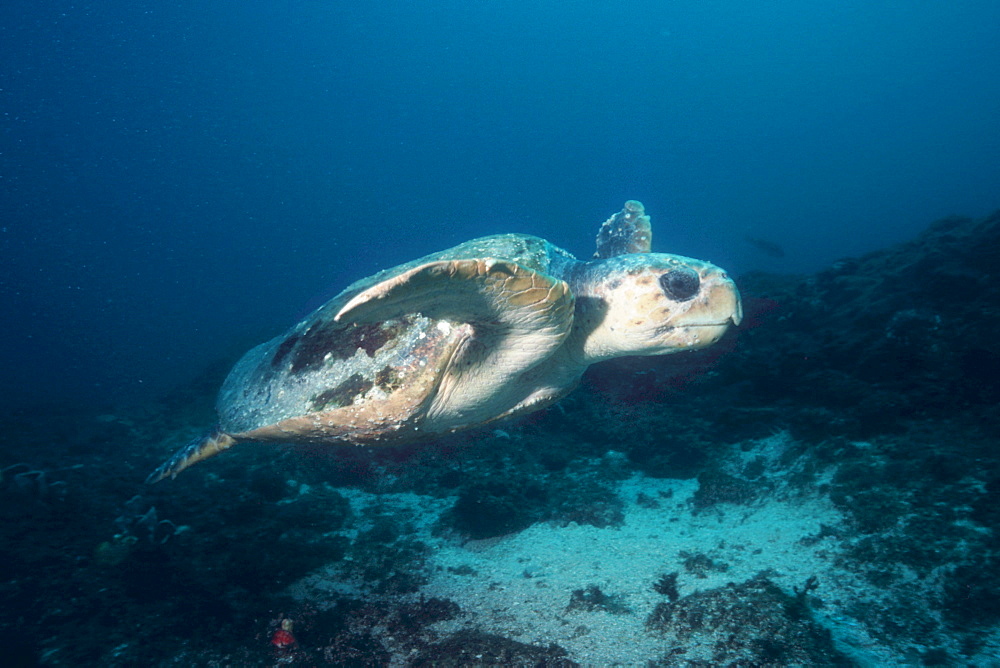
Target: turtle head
652 304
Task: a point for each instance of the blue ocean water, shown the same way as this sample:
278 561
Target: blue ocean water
181 180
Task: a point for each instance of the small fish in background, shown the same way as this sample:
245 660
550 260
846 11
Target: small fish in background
766 247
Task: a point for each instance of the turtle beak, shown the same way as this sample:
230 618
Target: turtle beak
722 298
737 316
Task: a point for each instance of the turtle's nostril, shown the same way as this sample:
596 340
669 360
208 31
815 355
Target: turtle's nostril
681 284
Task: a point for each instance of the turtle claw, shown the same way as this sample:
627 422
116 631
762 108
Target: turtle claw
198 449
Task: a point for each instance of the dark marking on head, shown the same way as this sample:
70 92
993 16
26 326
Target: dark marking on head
343 394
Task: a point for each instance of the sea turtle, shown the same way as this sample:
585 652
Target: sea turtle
494 327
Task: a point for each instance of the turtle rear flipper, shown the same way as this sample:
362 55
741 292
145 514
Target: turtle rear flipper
198 449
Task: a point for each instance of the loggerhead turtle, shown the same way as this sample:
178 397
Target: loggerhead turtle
495 327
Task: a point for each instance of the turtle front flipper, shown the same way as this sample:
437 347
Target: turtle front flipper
482 290
200 448
518 317
627 231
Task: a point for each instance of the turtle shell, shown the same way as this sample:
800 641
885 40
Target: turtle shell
331 378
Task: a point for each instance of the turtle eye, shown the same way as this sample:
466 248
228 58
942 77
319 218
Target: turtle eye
680 284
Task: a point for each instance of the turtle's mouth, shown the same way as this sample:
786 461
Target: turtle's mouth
724 324
697 334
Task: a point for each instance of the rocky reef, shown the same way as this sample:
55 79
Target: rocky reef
869 389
